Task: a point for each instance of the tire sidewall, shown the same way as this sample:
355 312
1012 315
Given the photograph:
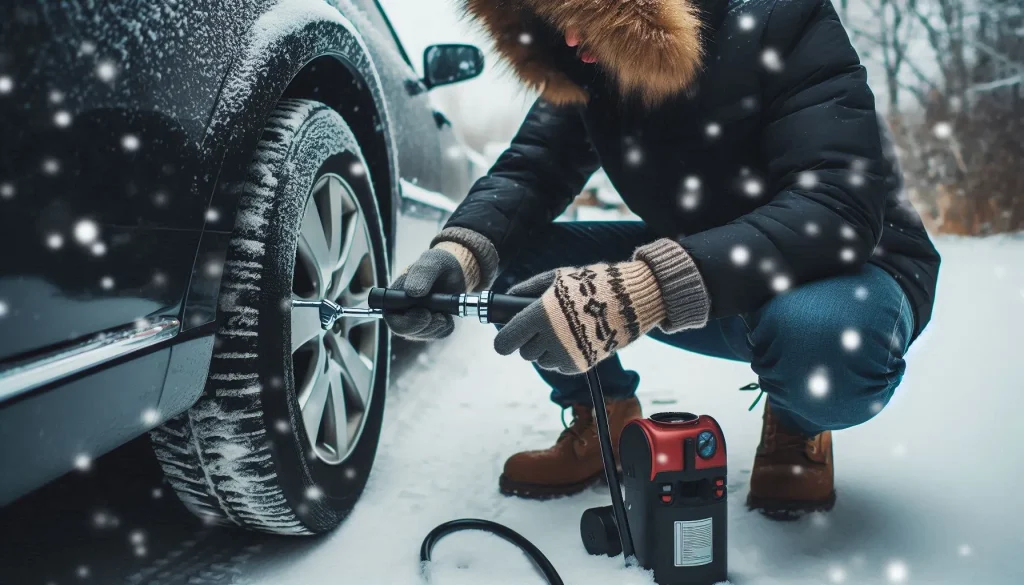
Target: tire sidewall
338 486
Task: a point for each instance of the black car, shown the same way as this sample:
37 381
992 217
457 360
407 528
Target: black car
173 176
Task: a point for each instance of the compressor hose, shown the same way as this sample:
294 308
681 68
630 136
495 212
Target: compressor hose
522 543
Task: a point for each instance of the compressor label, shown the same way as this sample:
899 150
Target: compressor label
693 542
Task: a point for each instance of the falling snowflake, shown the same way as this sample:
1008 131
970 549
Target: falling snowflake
767 265
850 339
157 493
357 169
6 84
350 473
3 309
51 166
812 228
662 458
107 283
62 119
747 22
860 293
690 201
752 187
857 179
836 574
964 550
847 232
797 470
54 241
713 130
943 130
819 520
98 249
130 142
876 407
82 571
634 156
525 39
896 571
83 462
100 519
160 199
740 255
140 550
87 47
818 383
6 190
56 97
807 180
283 426
314 493
847 255
214 269
780 283
771 59
159 278
692 183
150 416
212 215
455 152
106 71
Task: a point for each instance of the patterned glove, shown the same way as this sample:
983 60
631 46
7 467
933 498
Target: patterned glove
584 315
459 260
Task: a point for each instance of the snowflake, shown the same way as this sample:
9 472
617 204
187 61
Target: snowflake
130 142
943 130
690 201
62 119
54 241
797 470
159 278
6 190
137 537
150 416
857 179
634 156
51 166
780 283
847 255
964 550
525 38
812 228
56 97
836 574
3 309
212 215
100 519
807 180
140 550
106 71
283 426
850 339
740 255
847 232
157 493
83 462
860 293
876 407
859 165
107 283
749 102
87 47
818 383
357 169
662 458
692 183
771 59
314 493
350 473
819 520
713 130
767 265
896 571
6 84
455 152
98 249
82 571
160 199
214 269
747 22
752 187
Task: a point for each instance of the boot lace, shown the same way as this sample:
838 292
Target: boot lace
578 428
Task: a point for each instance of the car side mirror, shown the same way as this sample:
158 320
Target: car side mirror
447 64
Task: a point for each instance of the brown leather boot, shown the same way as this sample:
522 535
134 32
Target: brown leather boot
574 463
792 473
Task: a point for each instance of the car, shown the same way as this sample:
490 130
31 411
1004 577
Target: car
173 177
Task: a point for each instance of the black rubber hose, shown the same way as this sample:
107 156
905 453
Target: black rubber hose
528 548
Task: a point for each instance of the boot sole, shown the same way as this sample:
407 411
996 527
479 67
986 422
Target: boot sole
785 510
536 491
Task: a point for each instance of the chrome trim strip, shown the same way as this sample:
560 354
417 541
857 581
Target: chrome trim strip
25 376
431 199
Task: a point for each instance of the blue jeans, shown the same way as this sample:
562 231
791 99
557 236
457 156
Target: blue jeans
829 354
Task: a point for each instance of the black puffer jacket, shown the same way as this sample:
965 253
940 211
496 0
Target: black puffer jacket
774 145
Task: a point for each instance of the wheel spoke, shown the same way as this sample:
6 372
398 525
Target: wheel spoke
356 248
340 438
356 371
333 220
314 402
305 326
313 243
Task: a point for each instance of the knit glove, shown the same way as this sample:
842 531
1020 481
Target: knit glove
585 315
458 261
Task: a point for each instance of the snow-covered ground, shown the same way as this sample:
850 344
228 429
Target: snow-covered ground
929 491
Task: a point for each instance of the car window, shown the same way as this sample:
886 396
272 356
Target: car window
380 21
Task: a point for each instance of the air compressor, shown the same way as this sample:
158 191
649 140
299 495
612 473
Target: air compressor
672 519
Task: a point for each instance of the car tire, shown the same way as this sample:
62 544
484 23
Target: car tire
254 451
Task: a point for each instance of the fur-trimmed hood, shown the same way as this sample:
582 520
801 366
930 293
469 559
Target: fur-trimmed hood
647 49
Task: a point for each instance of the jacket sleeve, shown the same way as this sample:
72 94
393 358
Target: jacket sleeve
824 164
533 181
